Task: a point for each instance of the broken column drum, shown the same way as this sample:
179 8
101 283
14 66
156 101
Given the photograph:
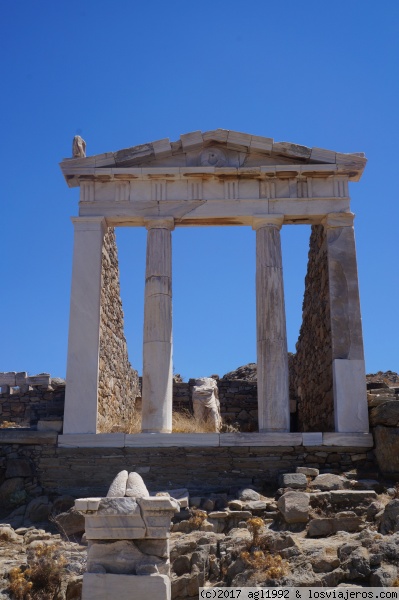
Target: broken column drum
217 178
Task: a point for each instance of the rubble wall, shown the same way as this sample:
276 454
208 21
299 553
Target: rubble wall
39 467
118 384
311 367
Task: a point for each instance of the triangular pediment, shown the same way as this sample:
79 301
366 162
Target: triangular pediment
219 148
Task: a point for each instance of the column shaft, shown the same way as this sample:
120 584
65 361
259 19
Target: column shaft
272 358
80 414
349 380
157 342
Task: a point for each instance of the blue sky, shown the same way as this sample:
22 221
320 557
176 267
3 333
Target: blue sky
125 73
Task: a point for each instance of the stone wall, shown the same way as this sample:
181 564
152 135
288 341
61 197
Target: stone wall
118 384
238 401
34 401
31 464
311 367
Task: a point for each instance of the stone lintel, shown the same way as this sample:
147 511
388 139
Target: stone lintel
274 220
333 220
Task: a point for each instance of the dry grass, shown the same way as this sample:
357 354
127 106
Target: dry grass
256 556
42 579
182 422
197 518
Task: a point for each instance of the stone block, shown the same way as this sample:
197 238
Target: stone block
309 471
53 425
387 449
350 440
261 439
107 586
328 481
18 467
165 440
91 440
7 379
312 438
294 507
294 480
329 526
350 398
386 414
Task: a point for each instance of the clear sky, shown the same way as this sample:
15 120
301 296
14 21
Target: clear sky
123 73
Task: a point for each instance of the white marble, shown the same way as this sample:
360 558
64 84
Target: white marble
115 527
108 586
80 413
311 438
157 342
135 486
261 439
118 486
154 440
88 440
352 440
350 396
272 358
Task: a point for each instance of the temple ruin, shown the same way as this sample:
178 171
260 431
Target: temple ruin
225 178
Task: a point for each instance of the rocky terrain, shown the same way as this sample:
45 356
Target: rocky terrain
249 373
315 530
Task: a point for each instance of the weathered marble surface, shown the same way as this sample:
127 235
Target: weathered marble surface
135 486
80 415
157 342
206 402
350 396
273 392
118 486
108 586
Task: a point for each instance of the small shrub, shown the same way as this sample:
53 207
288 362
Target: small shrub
273 566
42 579
197 518
255 525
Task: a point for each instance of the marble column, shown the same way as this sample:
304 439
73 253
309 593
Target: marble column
157 341
80 413
272 357
349 381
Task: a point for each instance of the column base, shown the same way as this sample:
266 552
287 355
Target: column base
108 586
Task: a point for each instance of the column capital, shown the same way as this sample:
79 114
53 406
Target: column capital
160 223
332 220
89 223
260 221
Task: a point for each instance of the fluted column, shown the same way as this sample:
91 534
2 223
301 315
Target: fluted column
157 343
349 379
80 413
272 358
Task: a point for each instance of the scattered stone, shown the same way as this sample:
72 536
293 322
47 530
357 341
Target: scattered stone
71 522
390 517
38 510
294 480
309 471
248 495
181 565
294 507
386 414
328 481
328 526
